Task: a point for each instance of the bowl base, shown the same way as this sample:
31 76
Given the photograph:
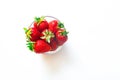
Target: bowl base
53 52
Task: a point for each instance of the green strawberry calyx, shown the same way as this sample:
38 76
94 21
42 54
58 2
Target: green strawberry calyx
25 29
27 32
47 35
30 45
39 19
60 25
64 33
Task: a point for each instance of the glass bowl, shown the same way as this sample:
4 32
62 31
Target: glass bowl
53 52
48 19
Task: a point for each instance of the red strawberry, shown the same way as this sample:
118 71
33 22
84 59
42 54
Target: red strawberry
35 24
41 46
43 25
32 34
40 23
61 36
47 35
53 45
53 26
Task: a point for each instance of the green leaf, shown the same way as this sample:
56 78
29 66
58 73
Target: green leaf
25 29
37 19
64 33
42 18
28 33
30 45
61 25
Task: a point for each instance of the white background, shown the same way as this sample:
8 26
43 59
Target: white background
91 53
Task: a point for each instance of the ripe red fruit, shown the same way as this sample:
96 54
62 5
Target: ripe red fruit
53 45
35 24
53 26
32 34
61 36
40 23
41 46
43 25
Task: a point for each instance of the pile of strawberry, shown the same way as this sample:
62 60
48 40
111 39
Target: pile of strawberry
45 36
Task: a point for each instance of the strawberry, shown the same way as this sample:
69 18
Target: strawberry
53 45
43 25
32 34
40 23
47 35
41 46
35 24
53 26
61 36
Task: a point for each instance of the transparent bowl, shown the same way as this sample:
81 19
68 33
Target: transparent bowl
48 19
53 52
